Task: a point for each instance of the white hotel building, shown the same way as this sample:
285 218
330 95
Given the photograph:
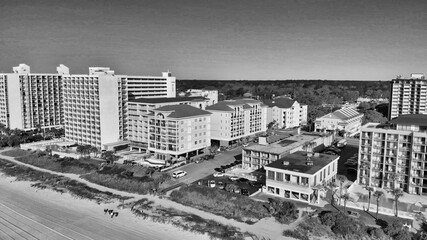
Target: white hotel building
31 100
95 104
233 120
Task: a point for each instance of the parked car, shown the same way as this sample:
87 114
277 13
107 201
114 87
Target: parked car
233 178
212 183
219 170
179 173
218 174
256 184
245 144
237 190
244 192
353 214
221 185
243 180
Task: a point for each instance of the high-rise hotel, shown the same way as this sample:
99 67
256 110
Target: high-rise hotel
31 100
95 105
408 96
395 155
91 107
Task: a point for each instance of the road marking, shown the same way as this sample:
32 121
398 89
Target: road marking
53 230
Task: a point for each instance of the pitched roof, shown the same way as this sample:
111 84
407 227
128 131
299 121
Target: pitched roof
412 119
182 111
343 114
296 162
166 100
282 102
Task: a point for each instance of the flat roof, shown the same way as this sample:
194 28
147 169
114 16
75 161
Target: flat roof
411 119
285 145
296 162
167 100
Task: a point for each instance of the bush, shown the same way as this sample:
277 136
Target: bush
220 202
295 234
342 224
376 233
283 211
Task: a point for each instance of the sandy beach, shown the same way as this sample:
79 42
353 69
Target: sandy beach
28 213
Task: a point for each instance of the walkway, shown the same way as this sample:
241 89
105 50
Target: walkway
267 227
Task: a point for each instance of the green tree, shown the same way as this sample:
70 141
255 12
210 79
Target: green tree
378 195
370 190
345 197
342 179
373 116
397 193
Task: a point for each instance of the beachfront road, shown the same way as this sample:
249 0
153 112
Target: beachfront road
26 214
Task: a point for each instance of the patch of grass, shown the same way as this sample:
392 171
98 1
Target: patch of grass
16 153
220 202
64 165
188 222
57 183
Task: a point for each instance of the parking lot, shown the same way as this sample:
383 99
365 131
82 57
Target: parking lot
241 183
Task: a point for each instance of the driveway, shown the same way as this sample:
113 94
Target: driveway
196 171
347 152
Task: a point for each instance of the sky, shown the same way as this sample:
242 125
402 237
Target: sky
219 39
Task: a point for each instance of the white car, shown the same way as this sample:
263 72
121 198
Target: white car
218 174
233 178
212 183
179 173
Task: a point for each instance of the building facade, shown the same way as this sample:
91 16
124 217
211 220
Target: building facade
150 86
270 149
287 113
138 116
300 176
395 156
31 100
210 95
408 96
345 119
232 120
178 131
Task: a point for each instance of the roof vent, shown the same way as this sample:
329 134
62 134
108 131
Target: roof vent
309 163
286 163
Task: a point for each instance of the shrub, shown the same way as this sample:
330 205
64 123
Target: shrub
376 233
284 211
342 224
295 234
220 202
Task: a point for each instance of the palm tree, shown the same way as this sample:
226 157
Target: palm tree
370 190
332 185
341 179
378 195
397 193
345 197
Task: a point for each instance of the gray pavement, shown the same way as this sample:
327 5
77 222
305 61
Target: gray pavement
196 171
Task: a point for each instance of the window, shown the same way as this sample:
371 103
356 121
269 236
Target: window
270 175
200 141
279 177
195 143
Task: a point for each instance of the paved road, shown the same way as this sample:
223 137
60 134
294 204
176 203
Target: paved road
196 171
347 152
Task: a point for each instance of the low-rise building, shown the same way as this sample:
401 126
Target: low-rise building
233 120
345 119
178 131
395 155
272 148
286 112
299 176
210 94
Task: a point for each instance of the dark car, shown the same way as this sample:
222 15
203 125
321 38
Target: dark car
220 170
256 184
243 180
244 191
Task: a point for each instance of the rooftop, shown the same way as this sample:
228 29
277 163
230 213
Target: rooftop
343 114
285 145
225 105
167 100
281 102
182 111
297 162
411 119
